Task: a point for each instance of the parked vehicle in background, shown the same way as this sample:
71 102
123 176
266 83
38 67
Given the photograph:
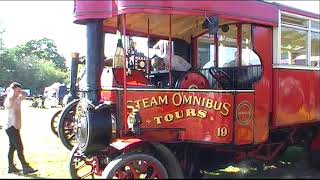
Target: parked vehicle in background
2 96
54 94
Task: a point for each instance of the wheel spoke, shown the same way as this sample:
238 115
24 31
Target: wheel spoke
121 175
72 136
88 174
80 167
133 170
144 167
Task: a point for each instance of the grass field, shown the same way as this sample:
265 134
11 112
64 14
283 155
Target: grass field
44 151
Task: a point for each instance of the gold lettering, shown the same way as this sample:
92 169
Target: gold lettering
130 105
178 103
191 112
179 114
187 99
203 101
202 114
153 102
158 119
168 117
145 103
138 104
217 106
198 99
209 103
163 100
225 109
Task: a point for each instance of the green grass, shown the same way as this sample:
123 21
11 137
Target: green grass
42 149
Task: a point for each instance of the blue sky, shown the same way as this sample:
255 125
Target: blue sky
27 20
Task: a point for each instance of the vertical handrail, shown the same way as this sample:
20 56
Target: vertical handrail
124 102
170 51
148 60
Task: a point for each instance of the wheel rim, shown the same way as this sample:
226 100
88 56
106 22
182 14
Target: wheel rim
138 169
83 167
69 128
55 122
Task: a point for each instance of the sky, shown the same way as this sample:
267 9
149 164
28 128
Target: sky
28 20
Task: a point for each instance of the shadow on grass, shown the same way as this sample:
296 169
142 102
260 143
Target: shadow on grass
32 176
292 164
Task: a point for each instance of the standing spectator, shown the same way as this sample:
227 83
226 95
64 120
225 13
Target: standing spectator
12 105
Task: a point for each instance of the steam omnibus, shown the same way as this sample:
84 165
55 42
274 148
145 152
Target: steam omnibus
251 88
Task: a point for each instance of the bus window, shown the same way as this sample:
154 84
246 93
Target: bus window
294 46
299 40
206 51
315 46
228 46
248 57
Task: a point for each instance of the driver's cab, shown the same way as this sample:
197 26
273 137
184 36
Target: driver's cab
204 54
220 61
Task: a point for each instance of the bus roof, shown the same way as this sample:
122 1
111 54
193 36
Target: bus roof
251 11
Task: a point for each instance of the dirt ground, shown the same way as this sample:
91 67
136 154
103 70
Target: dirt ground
45 152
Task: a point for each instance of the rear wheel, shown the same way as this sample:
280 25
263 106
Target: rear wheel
135 166
55 122
67 123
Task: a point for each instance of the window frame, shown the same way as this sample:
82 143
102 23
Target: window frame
277 41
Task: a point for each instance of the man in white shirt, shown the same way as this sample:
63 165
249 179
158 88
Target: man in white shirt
12 104
178 63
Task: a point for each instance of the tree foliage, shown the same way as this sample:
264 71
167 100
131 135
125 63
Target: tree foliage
43 49
35 64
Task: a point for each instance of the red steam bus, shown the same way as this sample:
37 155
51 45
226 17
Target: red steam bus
218 81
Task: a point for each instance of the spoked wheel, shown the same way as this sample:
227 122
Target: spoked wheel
83 167
135 166
67 123
54 122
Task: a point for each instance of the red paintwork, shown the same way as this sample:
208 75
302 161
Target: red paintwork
196 127
251 11
281 98
297 97
114 78
262 44
244 118
123 143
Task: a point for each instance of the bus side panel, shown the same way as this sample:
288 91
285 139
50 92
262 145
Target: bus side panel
315 113
262 42
297 99
243 118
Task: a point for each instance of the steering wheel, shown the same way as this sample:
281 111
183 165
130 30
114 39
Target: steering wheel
221 77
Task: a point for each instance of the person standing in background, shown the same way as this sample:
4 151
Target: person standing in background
12 105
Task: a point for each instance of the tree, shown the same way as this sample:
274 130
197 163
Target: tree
35 64
44 49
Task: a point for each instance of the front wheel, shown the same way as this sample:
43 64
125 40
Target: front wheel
81 166
135 166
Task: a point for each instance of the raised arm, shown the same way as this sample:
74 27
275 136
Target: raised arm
9 99
22 95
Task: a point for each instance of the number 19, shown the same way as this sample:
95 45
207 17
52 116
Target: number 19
222 131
